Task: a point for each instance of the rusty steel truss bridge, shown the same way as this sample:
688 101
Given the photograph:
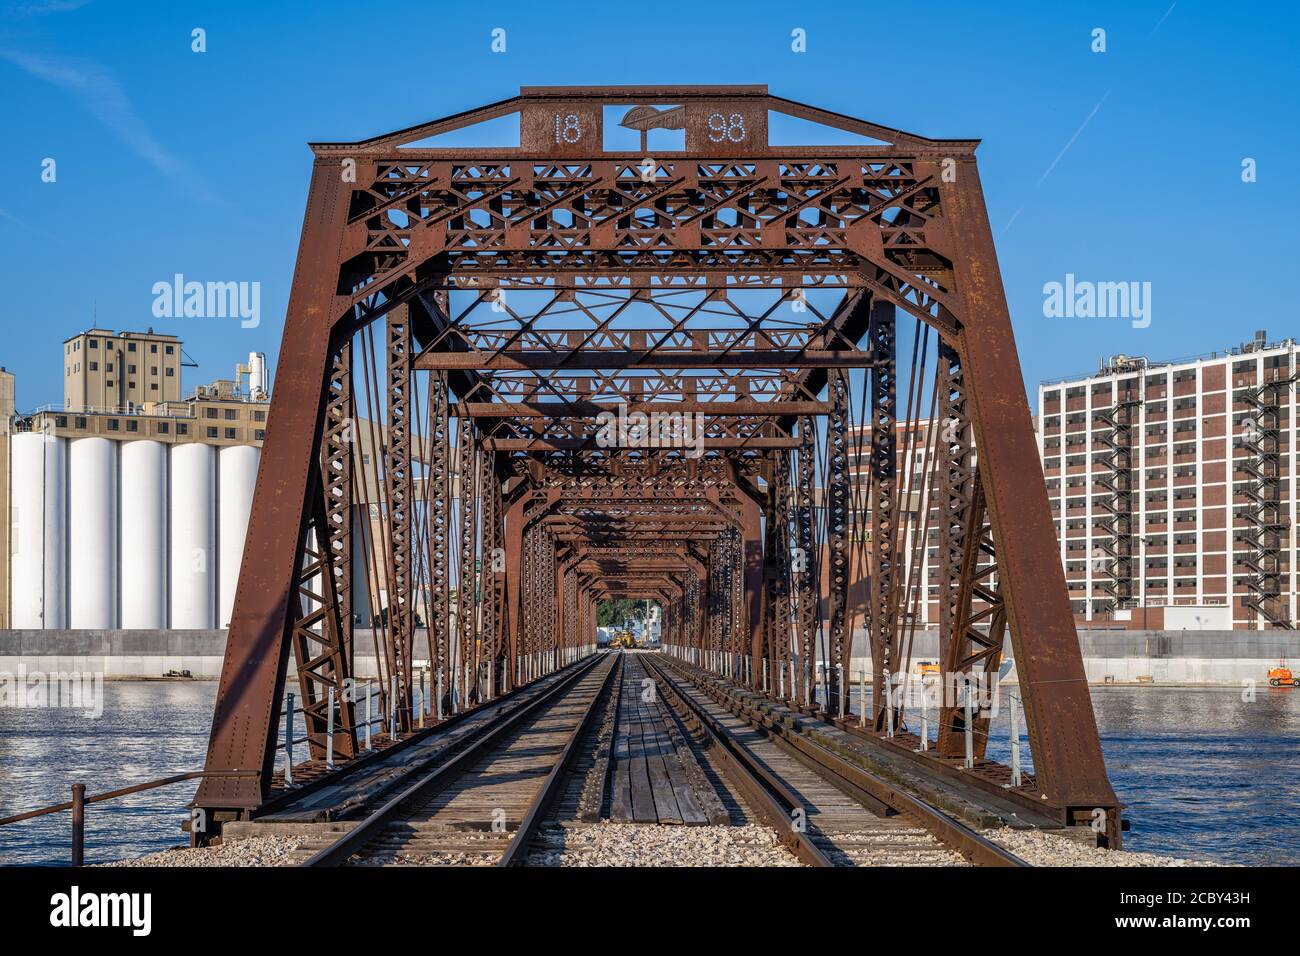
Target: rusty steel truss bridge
518 381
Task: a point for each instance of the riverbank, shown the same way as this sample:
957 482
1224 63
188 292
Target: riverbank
1160 658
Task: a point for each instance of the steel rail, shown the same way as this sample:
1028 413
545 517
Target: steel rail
338 852
861 783
764 793
288 796
516 853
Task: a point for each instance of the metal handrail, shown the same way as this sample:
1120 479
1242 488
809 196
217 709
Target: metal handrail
79 802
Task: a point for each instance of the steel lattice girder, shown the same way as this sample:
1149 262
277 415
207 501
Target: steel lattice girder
393 223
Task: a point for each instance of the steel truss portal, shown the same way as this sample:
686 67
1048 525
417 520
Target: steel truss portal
518 381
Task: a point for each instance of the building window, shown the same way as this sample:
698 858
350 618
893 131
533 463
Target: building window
94 366
168 350
162 428
170 372
210 412
130 346
231 414
259 416
79 422
108 367
130 370
113 425
132 425
259 434
94 343
61 421
153 348
153 386
109 383
130 384
153 369
212 433
230 434
182 428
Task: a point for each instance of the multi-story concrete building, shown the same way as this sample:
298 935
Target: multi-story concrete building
1173 486
128 505
913 455
102 370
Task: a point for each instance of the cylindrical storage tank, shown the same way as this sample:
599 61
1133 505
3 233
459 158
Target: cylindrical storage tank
38 516
257 384
236 479
92 533
192 518
144 534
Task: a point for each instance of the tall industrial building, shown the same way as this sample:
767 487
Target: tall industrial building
128 504
1173 486
106 371
918 565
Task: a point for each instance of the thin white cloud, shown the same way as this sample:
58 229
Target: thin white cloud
96 89
42 7
1162 20
1066 148
10 217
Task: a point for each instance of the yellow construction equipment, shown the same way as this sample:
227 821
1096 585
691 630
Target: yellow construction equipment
624 639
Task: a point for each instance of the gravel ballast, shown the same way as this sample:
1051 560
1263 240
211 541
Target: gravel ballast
1038 848
256 851
630 844
625 844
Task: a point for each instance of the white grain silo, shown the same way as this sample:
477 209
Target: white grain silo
92 533
236 478
38 516
192 517
144 534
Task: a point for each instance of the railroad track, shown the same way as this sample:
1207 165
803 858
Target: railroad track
485 804
827 811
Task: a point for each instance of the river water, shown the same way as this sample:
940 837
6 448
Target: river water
1204 774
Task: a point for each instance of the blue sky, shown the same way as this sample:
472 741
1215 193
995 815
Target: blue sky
1115 166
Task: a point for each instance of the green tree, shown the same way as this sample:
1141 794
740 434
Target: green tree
618 612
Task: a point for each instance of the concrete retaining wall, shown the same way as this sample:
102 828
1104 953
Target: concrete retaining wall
1170 657
144 654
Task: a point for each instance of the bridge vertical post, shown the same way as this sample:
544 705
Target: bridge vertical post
246 715
752 533
514 548
882 613
1069 769
805 579
400 500
837 535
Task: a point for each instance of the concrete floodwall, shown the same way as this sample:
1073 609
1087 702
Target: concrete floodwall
1167 657
148 654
